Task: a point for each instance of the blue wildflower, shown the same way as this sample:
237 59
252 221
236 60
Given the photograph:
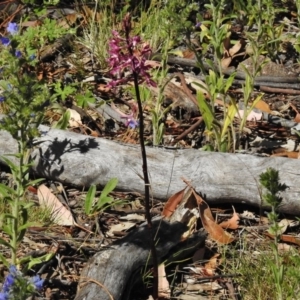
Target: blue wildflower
5 41
2 98
8 283
37 282
18 53
32 56
132 123
18 286
198 25
13 269
4 296
12 28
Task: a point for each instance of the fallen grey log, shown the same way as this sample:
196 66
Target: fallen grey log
81 160
106 274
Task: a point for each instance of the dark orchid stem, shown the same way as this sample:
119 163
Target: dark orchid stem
127 27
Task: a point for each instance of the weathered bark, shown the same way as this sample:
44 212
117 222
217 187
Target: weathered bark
107 272
83 160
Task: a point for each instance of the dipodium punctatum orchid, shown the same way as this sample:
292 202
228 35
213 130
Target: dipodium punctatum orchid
128 55
127 61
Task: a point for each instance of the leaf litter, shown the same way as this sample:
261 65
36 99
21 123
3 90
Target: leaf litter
73 244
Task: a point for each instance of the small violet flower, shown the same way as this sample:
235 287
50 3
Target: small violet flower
5 41
198 25
2 99
8 283
37 282
132 123
4 296
18 53
32 56
129 120
12 28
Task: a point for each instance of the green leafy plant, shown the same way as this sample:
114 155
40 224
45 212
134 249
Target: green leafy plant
217 131
101 21
262 16
254 261
212 36
85 99
26 99
271 182
91 206
216 31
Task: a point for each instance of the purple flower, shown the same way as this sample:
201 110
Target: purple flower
5 41
2 98
12 28
129 120
132 123
13 270
8 283
37 282
4 296
128 54
18 53
17 285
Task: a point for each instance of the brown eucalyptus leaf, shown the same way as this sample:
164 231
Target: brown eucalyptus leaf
215 231
232 223
172 203
60 214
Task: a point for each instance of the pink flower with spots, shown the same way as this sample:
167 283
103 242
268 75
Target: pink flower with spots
128 55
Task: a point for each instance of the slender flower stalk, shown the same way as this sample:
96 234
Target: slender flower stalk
129 54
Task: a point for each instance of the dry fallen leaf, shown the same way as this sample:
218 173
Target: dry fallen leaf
288 154
286 238
215 231
231 52
211 266
263 106
60 214
248 214
232 223
252 116
172 203
131 217
122 226
164 290
75 118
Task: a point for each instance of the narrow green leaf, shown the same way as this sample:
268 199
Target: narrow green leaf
34 182
4 260
206 111
6 191
109 187
5 243
9 162
230 113
89 199
39 260
103 201
63 121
